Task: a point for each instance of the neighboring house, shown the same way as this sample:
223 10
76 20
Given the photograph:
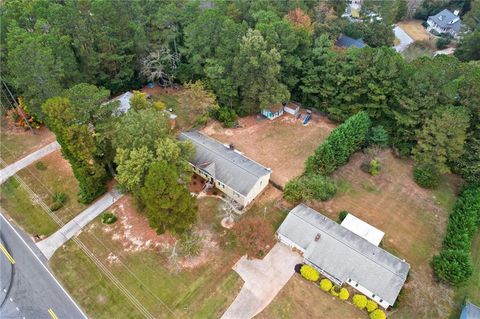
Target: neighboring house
273 111
124 102
124 106
347 42
234 174
445 22
292 108
352 10
344 256
470 311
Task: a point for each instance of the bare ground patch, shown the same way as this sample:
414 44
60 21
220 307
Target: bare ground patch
415 30
282 144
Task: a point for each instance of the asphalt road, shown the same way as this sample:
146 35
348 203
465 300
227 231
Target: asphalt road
28 289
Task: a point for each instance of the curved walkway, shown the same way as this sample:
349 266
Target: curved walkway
11 169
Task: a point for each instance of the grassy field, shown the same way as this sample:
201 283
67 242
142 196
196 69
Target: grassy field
282 144
471 289
201 292
17 142
414 221
301 299
415 30
19 206
57 176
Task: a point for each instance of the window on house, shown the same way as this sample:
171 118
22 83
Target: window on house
381 300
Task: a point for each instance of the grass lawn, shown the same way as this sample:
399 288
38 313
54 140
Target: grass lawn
414 221
471 289
17 203
282 144
415 30
302 299
201 292
17 143
57 176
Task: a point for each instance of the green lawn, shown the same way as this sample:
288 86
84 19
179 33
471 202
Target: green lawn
203 292
471 289
18 205
57 177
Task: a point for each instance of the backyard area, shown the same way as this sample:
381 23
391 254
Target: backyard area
413 220
282 144
415 30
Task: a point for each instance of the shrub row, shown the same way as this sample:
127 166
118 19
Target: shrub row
310 187
454 263
343 141
360 301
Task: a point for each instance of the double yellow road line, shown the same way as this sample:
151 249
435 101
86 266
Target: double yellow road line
52 314
9 257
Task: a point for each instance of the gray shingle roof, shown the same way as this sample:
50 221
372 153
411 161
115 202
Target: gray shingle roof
447 20
226 165
343 254
347 42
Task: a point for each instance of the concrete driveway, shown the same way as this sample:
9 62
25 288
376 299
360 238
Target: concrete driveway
405 39
264 278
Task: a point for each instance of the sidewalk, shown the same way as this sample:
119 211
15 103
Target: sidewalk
12 169
49 245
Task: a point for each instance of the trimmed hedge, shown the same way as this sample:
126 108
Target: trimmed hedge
378 314
454 263
360 301
371 305
344 294
326 284
344 140
309 273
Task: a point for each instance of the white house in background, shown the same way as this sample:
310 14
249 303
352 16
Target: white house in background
445 22
345 256
234 174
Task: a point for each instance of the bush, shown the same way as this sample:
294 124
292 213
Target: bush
378 314
372 167
334 291
371 305
40 166
342 215
378 136
227 116
442 43
426 176
326 284
344 140
454 263
190 245
360 301
59 200
344 294
454 266
310 187
108 218
309 273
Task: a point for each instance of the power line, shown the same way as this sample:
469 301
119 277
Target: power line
85 249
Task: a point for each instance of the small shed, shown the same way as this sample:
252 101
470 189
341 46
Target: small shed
292 108
273 111
363 229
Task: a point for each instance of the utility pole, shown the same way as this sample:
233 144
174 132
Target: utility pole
20 111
